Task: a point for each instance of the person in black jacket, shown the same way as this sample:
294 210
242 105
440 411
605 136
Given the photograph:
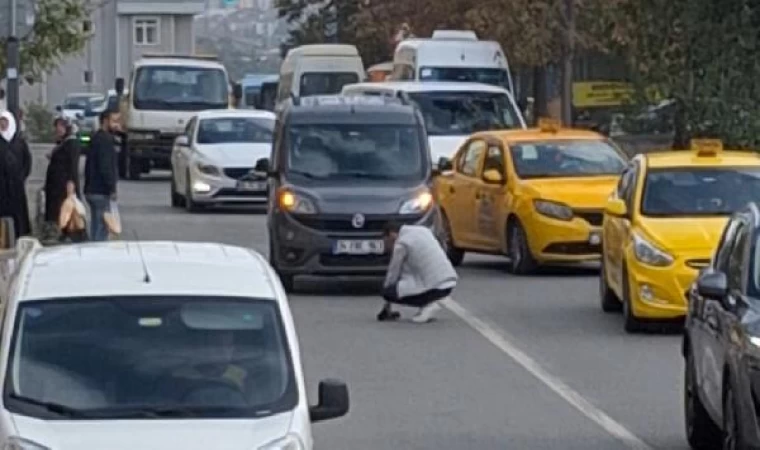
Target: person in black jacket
15 166
62 169
101 174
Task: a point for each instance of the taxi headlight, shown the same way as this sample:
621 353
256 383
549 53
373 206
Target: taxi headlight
553 209
289 442
295 203
648 253
208 169
16 443
418 204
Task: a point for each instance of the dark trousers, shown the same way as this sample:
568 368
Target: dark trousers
390 294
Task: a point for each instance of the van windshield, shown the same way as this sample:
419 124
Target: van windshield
325 83
463 113
177 88
347 151
492 76
149 358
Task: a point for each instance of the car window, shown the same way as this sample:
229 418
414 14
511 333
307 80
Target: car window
469 164
494 160
325 83
736 259
630 189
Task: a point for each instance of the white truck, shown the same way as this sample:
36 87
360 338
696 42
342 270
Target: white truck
164 93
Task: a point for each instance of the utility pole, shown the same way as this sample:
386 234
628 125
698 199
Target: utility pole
13 57
568 59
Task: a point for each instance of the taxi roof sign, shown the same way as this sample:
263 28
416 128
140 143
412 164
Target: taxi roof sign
707 147
549 125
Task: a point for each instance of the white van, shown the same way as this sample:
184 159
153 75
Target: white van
452 110
161 345
319 69
452 55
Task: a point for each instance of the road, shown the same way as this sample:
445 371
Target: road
524 363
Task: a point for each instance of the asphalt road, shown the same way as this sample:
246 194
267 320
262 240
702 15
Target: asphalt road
524 363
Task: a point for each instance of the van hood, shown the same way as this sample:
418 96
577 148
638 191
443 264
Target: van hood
171 122
153 434
234 155
371 198
586 192
444 146
684 234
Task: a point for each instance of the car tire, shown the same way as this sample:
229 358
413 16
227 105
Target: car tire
609 302
701 431
122 163
521 260
287 280
455 255
732 438
134 168
190 205
631 323
176 199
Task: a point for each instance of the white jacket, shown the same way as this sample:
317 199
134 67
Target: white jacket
419 263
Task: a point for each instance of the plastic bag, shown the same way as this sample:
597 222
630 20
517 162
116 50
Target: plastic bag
113 220
72 215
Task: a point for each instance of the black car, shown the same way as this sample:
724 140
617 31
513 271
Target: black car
721 344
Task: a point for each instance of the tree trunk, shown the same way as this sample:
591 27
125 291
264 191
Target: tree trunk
540 102
680 131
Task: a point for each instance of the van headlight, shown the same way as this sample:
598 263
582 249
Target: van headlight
16 443
289 442
554 210
417 204
295 203
648 253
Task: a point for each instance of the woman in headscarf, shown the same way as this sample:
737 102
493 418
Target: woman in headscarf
15 166
62 169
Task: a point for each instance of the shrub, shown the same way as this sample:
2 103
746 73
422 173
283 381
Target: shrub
38 120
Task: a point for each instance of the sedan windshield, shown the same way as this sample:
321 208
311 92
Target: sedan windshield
495 77
556 159
357 151
82 102
714 191
230 130
177 88
463 113
146 358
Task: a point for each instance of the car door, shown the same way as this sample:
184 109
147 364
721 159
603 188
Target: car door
181 156
462 192
616 230
490 200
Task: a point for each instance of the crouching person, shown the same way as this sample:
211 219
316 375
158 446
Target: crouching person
419 274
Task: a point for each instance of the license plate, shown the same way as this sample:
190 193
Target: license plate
252 186
373 247
595 238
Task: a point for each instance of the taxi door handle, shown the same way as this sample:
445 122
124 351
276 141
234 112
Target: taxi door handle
451 189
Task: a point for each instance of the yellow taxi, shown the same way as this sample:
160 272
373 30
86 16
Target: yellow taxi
662 224
536 195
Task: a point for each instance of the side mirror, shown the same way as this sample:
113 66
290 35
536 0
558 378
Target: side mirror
119 86
58 108
7 234
713 285
182 141
333 401
237 91
262 166
493 176
616 207
522 105
444 164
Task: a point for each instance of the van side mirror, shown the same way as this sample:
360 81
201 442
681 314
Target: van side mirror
119 86
182 141
444 164
262 166
713 285
616 207
333 401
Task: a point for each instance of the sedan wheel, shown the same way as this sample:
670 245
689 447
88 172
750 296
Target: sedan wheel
521 262
731 436
701 431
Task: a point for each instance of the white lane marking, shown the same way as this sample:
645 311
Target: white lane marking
567 393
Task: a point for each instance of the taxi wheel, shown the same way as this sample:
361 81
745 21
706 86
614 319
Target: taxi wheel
521 261
456 256
701 431
609 301
630 322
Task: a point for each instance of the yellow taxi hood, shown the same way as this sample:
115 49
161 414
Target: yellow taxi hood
681 233
577 192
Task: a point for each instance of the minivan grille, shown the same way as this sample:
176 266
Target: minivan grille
593 217
342 223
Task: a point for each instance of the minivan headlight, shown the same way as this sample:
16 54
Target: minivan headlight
417 204
648 253
289 442
295 203
16 443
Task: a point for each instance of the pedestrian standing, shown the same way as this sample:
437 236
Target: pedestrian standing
62 169
101 174
419 274
15 166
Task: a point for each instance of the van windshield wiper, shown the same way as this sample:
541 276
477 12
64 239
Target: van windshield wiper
147 412
52 407
367 175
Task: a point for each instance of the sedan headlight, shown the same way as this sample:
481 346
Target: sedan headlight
418 204
553 209
295 203
208 169
648 253
16 443
289 442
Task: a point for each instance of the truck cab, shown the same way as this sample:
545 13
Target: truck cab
165 91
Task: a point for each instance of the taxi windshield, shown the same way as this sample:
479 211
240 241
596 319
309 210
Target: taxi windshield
557 159
463 113
383 152
230 130
149 357
688 191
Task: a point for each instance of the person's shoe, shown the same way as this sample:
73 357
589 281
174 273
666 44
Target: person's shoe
388 315
427 313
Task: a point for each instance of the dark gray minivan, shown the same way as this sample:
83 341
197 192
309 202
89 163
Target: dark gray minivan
341 168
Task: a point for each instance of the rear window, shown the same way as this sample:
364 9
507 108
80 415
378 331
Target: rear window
326 83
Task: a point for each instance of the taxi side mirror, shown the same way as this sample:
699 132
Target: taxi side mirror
616 207
492 176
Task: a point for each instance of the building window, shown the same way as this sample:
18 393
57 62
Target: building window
145 31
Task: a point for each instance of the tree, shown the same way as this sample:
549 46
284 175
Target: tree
58 32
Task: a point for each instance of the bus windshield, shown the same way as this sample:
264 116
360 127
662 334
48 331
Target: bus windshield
172 88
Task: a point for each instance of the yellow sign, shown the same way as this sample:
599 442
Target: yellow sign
549 125
589 94
707 147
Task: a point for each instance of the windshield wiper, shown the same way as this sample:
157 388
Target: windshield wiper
56 408
305 174
137 412
366 175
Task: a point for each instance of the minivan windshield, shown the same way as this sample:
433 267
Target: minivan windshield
383 152
462 113
177 88
493 76
325 83
149 357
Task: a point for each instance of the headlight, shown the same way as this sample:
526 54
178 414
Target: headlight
647 253
208 169
420 203
553 209
16 443
294 203
289 442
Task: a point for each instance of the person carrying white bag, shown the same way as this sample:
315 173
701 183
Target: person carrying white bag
72 220
113 221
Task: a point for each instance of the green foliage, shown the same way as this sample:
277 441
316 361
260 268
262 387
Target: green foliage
39 122
58 32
